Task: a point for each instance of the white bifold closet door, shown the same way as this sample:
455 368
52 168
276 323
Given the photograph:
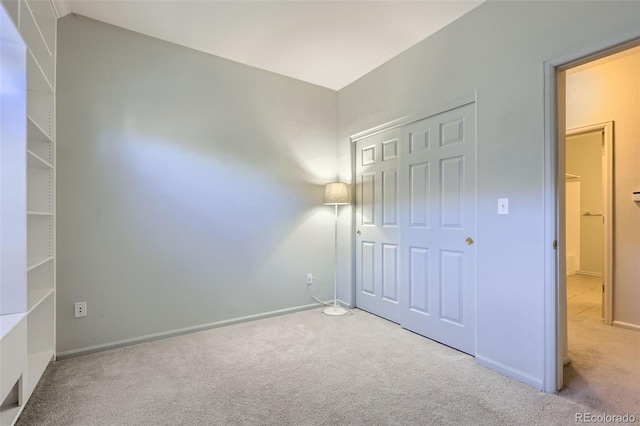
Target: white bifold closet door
378 230
415 225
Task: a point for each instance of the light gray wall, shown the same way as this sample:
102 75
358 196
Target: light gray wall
189 187
497 51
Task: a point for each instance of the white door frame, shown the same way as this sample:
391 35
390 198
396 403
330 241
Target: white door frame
607 206
554 134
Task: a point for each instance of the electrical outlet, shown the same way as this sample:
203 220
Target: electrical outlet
310 278
81 309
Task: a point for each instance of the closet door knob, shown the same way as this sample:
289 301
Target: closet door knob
469 240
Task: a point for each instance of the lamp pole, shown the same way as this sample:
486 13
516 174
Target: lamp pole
336 193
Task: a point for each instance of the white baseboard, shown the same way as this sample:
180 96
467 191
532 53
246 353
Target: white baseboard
589 273
626 325
510 372
345 304
172 333
566 360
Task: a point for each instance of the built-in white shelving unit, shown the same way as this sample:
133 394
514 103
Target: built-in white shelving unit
28 324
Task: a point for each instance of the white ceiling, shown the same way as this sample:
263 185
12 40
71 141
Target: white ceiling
328 43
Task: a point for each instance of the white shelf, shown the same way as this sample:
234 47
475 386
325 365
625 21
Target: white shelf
13 328
35 262
40 98
40 326
36 297
36 23
13 319
45 18
36 364
40 187
35 132
36 80
9 414
40 111
36 44
7 322
33 161
40 229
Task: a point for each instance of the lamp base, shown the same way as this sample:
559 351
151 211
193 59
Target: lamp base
334 311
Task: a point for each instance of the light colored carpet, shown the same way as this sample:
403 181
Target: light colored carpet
299 369
605 361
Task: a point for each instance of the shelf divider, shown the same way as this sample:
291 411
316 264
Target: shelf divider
35 262
36 297
35 132
33 160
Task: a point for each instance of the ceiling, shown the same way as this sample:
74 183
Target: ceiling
328 43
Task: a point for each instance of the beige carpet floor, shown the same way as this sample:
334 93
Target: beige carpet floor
299 369
605 361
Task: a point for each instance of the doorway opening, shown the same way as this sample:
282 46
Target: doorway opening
589 188
588 218
592 215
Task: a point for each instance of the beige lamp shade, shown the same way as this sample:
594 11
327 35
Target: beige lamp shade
336 193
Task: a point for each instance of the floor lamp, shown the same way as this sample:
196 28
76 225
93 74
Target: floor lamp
336 194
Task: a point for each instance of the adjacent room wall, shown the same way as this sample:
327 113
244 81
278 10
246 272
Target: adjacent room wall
609 89
496 52
189 187
584 158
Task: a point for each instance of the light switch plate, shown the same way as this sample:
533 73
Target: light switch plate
503 206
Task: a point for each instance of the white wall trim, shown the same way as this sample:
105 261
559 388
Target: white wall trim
172 333
343 303
553 375
469 99
510 372
626 325
552 378
61 7
588 273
